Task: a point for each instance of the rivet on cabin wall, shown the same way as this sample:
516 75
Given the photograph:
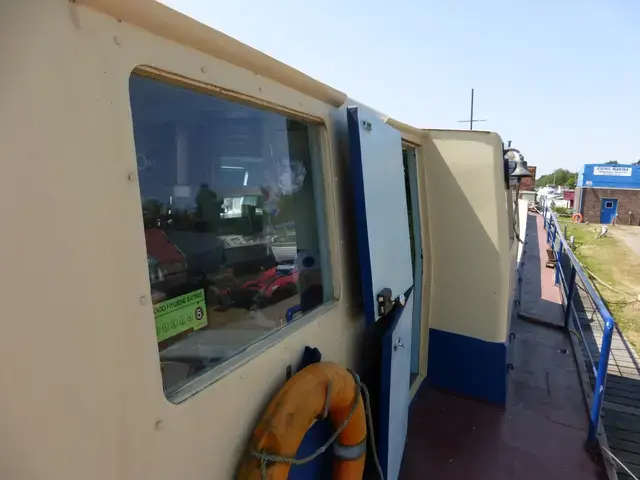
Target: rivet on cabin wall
159 425
260 89
116 40
143 300
131 176
203 69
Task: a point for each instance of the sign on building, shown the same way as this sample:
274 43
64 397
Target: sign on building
612 171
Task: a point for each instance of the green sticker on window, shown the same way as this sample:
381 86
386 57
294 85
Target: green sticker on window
180 314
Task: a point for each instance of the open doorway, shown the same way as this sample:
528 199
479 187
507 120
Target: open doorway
413 211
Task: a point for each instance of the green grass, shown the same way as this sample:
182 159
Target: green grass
616 265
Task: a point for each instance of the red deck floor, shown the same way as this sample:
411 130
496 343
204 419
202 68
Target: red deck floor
541 432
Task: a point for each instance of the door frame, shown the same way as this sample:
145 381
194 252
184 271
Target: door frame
415 142
614 208
416 320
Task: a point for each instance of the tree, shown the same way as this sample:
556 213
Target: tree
561 176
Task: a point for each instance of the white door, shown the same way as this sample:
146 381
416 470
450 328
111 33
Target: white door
375 151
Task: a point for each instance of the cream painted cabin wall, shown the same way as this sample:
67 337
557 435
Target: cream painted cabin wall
472 261
523 214
85 397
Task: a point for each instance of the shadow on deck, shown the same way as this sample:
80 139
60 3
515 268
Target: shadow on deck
542 431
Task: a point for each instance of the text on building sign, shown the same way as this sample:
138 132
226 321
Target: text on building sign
613 171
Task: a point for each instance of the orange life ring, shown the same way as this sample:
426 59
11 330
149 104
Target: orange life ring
323 387
577 218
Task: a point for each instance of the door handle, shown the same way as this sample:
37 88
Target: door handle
398 344
386 302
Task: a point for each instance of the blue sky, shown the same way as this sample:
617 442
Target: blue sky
561 79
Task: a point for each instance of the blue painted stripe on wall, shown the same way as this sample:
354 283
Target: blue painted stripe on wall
468 366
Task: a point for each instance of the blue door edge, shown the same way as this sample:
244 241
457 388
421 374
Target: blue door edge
385 382
362 230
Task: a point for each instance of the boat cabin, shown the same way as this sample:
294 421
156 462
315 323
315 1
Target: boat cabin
185 215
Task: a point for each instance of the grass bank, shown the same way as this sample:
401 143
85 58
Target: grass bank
616 265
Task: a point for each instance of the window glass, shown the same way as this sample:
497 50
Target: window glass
232 204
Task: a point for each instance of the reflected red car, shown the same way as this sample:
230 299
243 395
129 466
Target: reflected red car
273 285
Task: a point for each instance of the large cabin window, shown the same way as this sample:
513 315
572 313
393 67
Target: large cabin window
233 212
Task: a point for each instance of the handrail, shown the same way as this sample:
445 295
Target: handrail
555 233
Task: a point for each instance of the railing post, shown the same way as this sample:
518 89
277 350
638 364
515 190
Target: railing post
569 287
558 261
601 378
548 217
570 291
544 217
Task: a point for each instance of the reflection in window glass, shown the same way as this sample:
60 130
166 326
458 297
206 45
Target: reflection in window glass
231 212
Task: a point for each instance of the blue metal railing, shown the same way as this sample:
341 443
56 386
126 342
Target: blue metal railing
569 286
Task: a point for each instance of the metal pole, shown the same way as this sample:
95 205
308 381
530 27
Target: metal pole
471 121
601 378
558 261
570 293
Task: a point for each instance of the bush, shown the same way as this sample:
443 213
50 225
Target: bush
562 211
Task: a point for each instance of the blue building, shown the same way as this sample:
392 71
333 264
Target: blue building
608 193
